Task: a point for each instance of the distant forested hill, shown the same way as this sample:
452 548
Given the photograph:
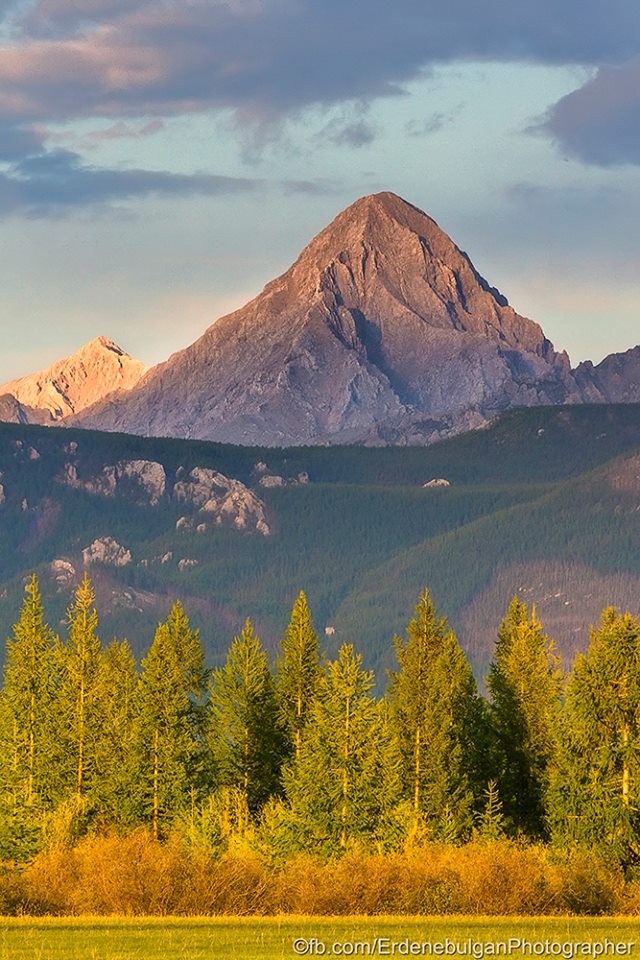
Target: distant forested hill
545 502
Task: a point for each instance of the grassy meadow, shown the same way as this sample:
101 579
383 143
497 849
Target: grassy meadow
273 938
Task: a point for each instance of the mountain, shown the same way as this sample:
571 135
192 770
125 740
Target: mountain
543 503
381 331
12 411
615 380
70 385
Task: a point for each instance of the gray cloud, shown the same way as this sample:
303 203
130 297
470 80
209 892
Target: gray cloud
266 59
18 142
340 132
56 182
600 122
432 124
124 131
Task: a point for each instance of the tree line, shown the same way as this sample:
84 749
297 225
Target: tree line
304 755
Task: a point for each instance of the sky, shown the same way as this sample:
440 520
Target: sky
160 162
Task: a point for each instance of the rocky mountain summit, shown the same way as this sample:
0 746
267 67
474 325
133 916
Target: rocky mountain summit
68 386
382 331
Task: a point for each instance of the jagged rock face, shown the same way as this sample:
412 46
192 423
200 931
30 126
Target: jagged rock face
381 331
70 385
62 571
107 551
615 380
11 411
147 477
218 499
211 497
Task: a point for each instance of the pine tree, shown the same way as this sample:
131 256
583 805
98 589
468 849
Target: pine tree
76 718
344 786
298 673
491 820
169 736
438 719
25 714
525 683
246 738
596 795
116 762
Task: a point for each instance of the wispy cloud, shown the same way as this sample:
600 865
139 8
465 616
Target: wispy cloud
54 182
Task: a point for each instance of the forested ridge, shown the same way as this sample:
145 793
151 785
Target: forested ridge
542 503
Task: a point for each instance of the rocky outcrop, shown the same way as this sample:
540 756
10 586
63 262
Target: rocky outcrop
381 332
102 485
107 551
70 385
218 499
275 480
62 571
272 480
145 480
147 475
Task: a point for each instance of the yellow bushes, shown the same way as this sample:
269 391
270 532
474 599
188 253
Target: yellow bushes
134 875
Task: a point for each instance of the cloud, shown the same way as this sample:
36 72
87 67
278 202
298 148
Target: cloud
19 142
124 131
310 188
432 124
600 122
265 59
341 131
55 182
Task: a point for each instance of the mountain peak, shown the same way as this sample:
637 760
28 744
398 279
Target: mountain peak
382 330
374 216
79 380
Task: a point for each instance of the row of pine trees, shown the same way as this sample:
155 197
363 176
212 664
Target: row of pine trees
305 755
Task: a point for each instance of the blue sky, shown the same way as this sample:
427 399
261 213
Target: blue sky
159 162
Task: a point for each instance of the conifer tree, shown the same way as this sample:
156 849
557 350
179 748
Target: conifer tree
491 821
116 762
169 736
298 673
76 717
246 738
525 683
25 714
438 720
596 795
345 785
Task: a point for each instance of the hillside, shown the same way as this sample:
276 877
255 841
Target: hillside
542 502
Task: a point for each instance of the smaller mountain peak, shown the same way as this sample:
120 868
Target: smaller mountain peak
68 385
103 343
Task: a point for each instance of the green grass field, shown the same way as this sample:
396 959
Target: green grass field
274 938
